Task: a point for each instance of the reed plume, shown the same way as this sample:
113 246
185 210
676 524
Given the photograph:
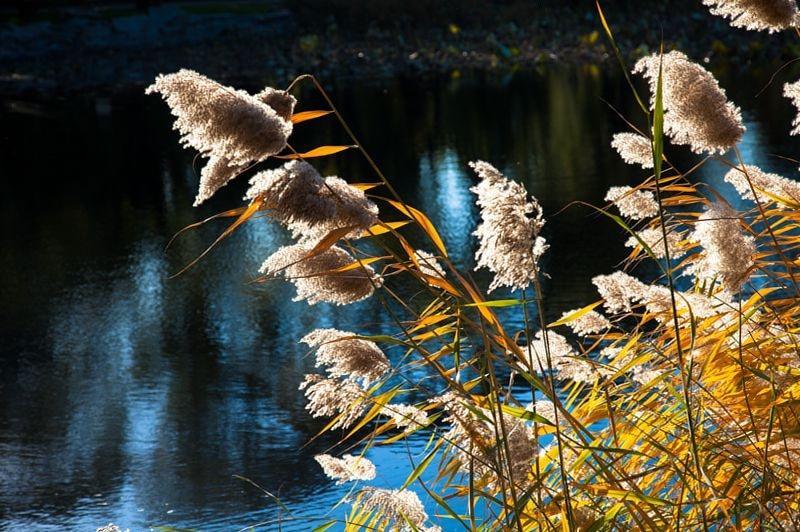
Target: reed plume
633 204
560 350
727 255
633 148
654 239
509 233
697 112
619 290
428 264
347 468
769 187
309 205
230 126
315 276
591 322
758 15
338 398
479 448
792 91
406 417
346 356
400 510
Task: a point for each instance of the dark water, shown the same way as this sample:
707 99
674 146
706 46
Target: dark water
129 397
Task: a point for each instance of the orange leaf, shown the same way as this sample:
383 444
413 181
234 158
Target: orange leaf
327 242
384 227
423 221
443 284
322 151
225 214
308 115
250 211
358 264
365 186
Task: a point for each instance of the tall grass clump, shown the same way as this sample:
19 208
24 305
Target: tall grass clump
670 404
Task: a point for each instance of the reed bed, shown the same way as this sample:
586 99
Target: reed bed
670 404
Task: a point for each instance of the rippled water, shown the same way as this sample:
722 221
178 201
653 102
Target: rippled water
130 397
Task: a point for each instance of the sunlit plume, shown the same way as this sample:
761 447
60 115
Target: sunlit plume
619 290
400 510
769 187
632 203
407 417
346 356
510 243
591 322
329 397
312 206
476 445
557 349
728 252
315 278
622 292
792 91
757 15
634 149
658 301
697 112
281 101
347 468
428 264
654 239
230 126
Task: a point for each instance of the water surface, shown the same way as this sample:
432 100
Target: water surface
130 397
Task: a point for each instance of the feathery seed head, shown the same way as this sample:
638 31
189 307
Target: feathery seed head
792 91
396 507
280 100
634 149
654 238
215 175
346 356
591 322
333 397
347 468
546 409
408 417
757 15
229 125
620 290
428 264
632 203
697 112
560 350
727 250
767 186
510 243
312 206
314 277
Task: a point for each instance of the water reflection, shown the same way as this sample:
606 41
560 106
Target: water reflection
130 397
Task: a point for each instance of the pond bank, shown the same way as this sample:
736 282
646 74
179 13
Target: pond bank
108 49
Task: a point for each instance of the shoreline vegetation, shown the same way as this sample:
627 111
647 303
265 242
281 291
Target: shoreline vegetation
64 48
669 404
